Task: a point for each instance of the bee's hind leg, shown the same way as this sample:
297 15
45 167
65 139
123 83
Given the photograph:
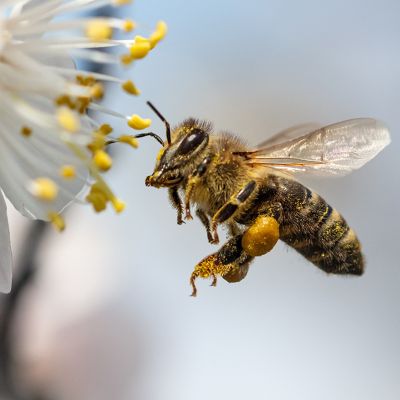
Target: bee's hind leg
233 258
231 262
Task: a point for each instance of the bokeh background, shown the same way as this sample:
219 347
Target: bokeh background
109 314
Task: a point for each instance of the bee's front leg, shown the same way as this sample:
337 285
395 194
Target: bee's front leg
177 203
193 181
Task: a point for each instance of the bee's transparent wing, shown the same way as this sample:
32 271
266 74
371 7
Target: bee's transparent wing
289 134
335 149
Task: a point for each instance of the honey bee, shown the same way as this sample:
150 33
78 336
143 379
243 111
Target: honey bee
254 193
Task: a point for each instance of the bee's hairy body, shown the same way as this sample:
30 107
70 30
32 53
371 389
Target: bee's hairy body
307 223
205 168
310 225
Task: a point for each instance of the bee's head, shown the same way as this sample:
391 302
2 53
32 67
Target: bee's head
177 158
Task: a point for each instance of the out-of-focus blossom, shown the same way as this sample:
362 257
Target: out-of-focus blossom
51 151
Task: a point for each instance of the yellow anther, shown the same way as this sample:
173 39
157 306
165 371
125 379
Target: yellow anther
65 100
126 59
129 25
97 91
102 160
141 39
81 104
140 48
68 119
132 141
130 88
100 194
105 129
86 80
159 34
98 142
44 189
122 2
118 205
97 198
68 172
98 30
25 131
138 123
57 220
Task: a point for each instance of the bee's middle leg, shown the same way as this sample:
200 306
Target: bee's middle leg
206 222
230 208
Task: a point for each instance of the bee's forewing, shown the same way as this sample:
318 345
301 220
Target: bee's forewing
335 149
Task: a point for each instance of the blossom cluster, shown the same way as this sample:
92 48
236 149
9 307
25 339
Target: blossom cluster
52 152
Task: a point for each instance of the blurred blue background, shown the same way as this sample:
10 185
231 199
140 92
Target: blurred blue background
110 314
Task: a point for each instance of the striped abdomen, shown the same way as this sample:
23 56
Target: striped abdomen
317 231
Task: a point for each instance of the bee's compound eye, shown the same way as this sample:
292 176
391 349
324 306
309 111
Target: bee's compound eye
191 142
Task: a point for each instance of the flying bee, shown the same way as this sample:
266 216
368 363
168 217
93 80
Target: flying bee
254 193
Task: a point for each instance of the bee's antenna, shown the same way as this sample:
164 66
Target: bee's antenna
159 115
153 135
140 135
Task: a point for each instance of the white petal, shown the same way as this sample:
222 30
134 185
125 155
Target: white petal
25 159
5 249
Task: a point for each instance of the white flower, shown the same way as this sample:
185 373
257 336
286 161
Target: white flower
50 149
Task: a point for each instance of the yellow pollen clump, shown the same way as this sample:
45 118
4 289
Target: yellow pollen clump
132 141
68 120
98 30
57 220
138 123
102 160
25 131
130 88
140 48
68 172
261 237
97 91
44 189
159 34
129 25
